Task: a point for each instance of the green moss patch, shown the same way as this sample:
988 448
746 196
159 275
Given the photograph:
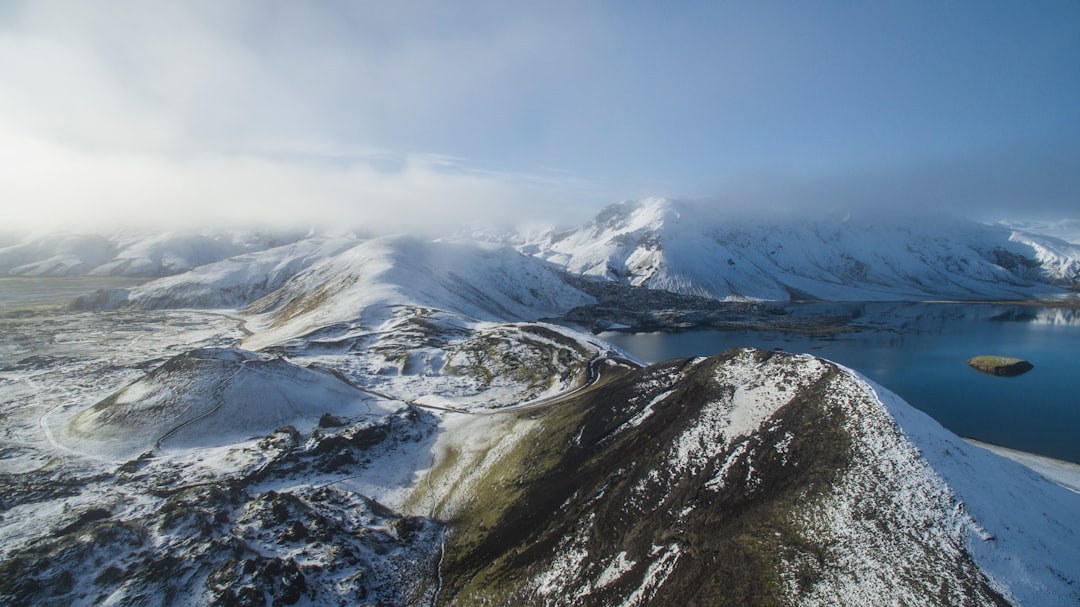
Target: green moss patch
1000 365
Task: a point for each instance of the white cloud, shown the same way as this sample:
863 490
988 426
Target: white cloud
48 185
130 109
209 113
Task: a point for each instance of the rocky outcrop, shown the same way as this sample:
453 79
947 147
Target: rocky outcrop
1000 365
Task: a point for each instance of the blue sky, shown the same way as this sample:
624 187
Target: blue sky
378 113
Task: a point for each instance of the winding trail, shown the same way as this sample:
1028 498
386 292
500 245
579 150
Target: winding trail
594 377
221 403
43 422
539 403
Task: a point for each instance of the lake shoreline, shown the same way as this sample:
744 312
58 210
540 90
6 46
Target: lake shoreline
1062 472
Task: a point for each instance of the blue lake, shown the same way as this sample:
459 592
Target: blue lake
919 350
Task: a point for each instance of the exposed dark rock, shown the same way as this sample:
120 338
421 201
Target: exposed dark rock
90 516
330 421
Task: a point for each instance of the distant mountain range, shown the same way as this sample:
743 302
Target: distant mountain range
656 243
132 254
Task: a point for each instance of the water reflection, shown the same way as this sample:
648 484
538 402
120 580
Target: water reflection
1058 316
934 316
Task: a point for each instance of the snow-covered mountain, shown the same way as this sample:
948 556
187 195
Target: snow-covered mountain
657 243
308 285
229 283
408 433
1059 258
479 281
683 248
1062 229
143 254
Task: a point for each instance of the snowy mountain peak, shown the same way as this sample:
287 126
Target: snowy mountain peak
632 215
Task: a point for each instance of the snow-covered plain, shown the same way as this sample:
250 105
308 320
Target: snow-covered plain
1066 474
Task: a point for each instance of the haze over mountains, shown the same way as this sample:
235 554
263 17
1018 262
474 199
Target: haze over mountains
655 243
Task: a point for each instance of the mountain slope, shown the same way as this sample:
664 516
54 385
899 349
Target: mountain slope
1059 258
229 283
752 478
364 283
1067 230
682 248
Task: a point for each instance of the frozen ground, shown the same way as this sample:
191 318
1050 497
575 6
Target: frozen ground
197 413
81 525
59 363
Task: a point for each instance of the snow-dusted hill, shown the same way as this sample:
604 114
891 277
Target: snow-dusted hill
683 248
365 282
213 397
229 283
305 286
149 254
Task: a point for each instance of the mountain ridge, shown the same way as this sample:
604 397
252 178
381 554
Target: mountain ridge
683 247
751 478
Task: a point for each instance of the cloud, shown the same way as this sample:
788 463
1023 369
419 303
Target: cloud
46 185
223 113
424 111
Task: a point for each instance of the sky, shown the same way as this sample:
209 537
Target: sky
398 114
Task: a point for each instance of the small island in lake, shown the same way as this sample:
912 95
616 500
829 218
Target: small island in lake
1000 365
